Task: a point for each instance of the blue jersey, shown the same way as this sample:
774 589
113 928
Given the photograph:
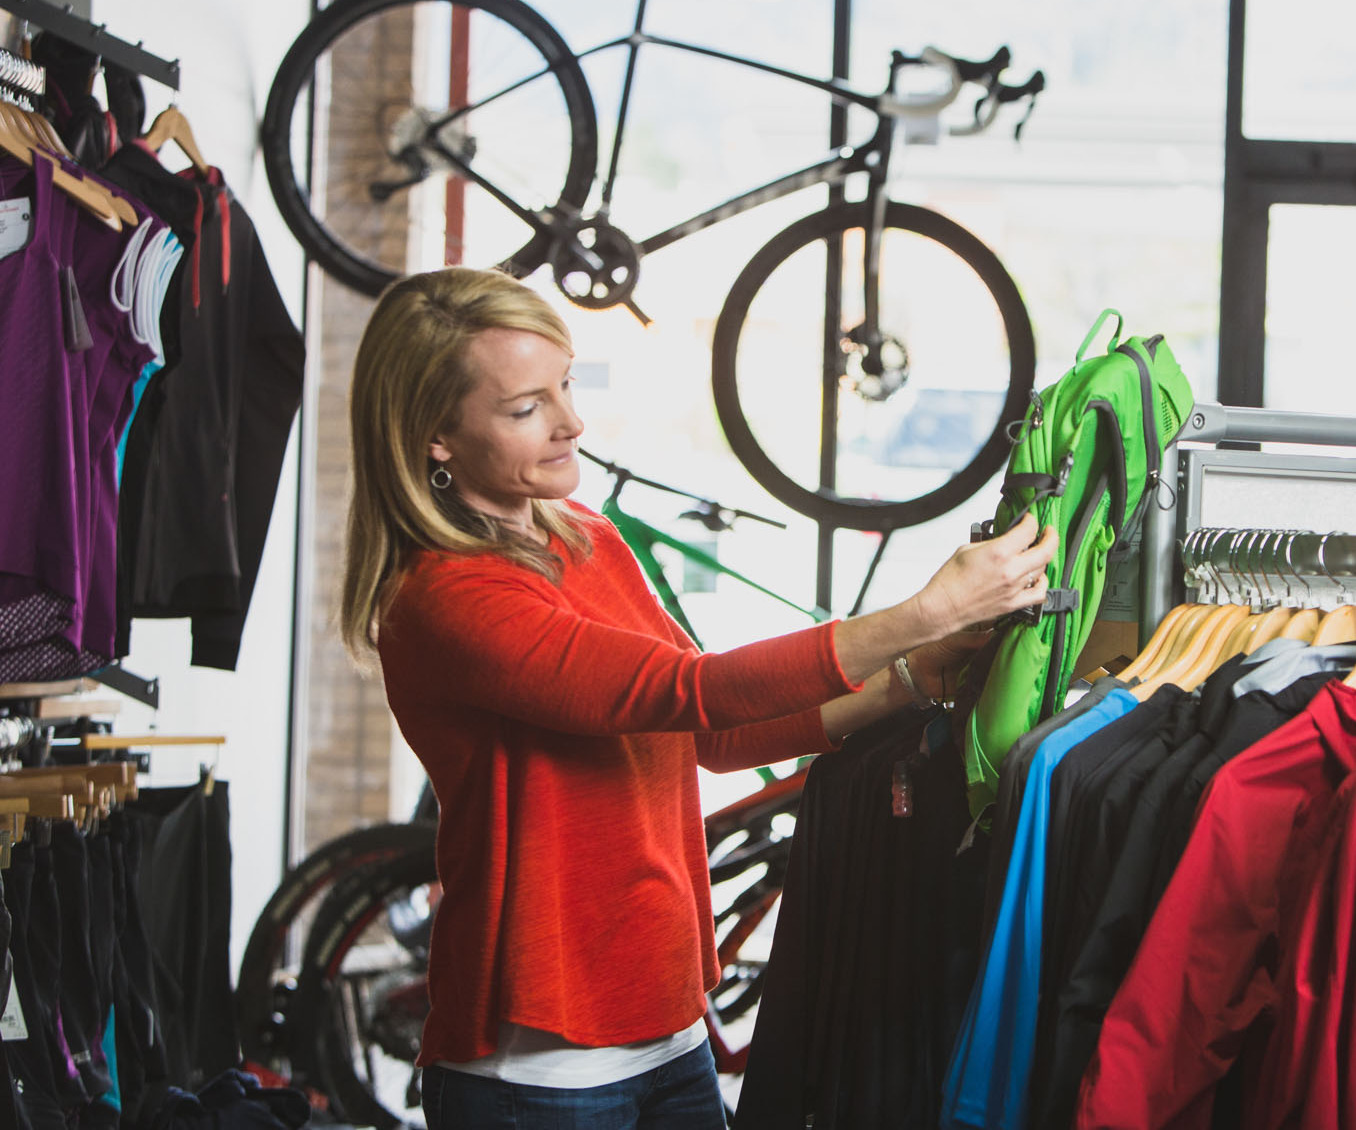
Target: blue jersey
986 1081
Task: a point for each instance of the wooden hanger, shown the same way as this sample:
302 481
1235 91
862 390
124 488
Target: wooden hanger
1337 626
51 140
19 138
1205 651
1152 650
208 772
1181 639
1257 629
119 776
171 125
1301 625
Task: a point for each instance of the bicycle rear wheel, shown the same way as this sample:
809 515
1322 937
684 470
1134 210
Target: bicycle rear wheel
362 996
396 89
267 981
911 446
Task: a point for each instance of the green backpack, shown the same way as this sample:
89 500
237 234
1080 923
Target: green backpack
1086 459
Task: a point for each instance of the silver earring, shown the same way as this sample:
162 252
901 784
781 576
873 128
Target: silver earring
441 478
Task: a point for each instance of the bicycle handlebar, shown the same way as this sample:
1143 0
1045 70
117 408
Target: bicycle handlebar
708 511
960 71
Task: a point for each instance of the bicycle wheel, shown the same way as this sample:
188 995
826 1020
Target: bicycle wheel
397 88
748 850
267 981
910 444
361 999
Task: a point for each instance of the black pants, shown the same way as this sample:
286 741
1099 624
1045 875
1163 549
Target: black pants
185 896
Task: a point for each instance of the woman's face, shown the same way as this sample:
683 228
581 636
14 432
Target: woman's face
518 429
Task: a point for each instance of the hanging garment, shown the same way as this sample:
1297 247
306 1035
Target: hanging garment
1090 797
74 359
1102 944
185 896
204 450
39 1063
82 1010
986 1080
875 945
143 1068
1012 779
40 578
1204 976
1308 1060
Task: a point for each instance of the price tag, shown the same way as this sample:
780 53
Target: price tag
12 1026
16 220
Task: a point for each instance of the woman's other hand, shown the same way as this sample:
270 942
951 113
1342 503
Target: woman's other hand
936 667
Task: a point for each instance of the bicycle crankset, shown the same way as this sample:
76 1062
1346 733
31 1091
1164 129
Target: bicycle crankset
597 266
874 370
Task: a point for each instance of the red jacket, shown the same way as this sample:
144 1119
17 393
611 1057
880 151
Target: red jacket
1209 974
562 727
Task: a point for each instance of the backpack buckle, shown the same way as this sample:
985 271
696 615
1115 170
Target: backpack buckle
1060 600
1062 476
1057 601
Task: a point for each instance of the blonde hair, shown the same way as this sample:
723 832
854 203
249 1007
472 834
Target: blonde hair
410 378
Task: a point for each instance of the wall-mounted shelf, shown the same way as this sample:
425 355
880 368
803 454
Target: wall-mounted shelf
64 23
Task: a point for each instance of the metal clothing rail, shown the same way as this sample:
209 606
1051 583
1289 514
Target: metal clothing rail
1269 567
1161 582
64 24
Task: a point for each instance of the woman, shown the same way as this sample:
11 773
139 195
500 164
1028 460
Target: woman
561 716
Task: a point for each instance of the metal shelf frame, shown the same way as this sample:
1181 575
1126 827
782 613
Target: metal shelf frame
1160 578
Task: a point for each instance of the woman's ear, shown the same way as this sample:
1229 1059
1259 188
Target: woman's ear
437 452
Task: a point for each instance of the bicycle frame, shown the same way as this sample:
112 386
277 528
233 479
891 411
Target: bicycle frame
872 157
833 169
643 537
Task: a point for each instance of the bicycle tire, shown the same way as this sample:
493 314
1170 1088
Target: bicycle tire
366 244
326 1057
961 261
261 1011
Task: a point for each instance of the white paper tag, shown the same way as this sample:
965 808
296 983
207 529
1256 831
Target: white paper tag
12 1026
16 218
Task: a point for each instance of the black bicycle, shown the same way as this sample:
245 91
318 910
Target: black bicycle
405 134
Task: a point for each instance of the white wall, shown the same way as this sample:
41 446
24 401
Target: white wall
228 53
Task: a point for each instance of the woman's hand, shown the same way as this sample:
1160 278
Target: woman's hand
985 580
936 667
979 582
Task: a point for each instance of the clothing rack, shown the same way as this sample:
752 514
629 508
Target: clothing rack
65 24
1184 504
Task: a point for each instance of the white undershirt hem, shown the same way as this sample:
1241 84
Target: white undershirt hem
544 1059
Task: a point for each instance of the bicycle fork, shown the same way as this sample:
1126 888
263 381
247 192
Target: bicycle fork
888 379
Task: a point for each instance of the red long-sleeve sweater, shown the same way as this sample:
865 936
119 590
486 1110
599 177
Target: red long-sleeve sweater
562 727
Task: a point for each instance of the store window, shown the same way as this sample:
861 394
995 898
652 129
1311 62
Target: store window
1299 83
1310 295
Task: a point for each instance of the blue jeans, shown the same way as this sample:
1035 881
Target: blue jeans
681 1095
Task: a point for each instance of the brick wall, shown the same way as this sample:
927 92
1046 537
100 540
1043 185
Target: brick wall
347 727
